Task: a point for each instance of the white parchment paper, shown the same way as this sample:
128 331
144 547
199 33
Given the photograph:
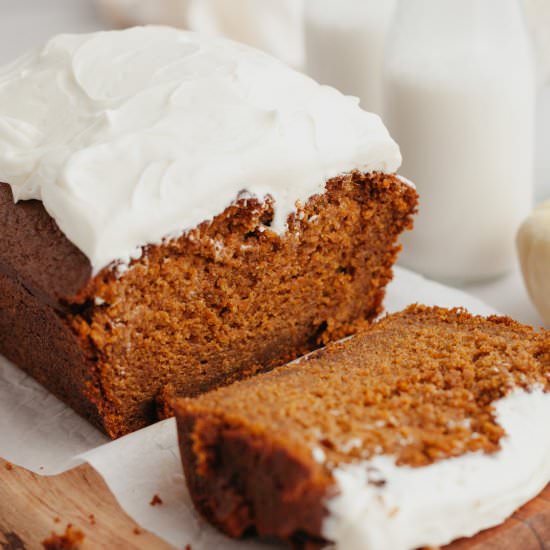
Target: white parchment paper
38 432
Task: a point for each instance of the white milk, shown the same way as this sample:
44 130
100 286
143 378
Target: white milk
460 100
345 46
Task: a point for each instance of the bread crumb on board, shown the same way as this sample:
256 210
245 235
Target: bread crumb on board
71 539
156 500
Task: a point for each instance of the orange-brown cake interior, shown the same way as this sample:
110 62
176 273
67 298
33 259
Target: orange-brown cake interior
419 385
232 298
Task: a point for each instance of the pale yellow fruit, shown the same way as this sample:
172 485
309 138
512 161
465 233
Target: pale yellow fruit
533 243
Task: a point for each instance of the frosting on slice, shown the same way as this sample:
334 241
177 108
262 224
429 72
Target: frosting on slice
382 506
129 137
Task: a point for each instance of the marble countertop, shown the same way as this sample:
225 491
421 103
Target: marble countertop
25 23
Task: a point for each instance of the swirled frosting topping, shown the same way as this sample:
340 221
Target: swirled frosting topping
131 137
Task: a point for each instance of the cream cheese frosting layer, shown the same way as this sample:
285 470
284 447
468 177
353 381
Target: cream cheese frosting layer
382 506
130 137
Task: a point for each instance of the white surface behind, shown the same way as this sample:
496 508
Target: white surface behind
28 23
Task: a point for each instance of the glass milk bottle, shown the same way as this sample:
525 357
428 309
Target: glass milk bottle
460 100
344 41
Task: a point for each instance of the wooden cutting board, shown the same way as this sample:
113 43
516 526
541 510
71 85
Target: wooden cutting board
32 507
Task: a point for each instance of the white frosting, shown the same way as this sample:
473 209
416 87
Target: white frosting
129 137
435 505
